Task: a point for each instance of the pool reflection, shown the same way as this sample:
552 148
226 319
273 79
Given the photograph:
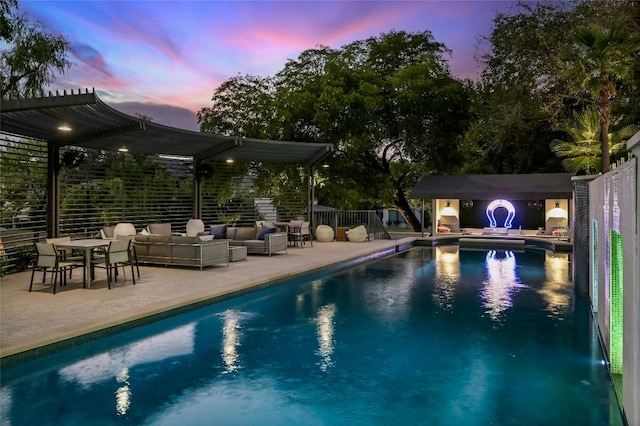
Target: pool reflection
447 276
501 282
230 340
325 329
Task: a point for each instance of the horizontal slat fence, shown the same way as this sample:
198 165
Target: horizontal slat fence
111 187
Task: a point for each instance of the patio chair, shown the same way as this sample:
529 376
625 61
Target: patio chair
293 230
106 232
48 260
117 254
195 227
305 233
301 232
65 253
133 254
124 228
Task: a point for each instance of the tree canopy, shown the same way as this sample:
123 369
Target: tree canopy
389 104
30 57
530 82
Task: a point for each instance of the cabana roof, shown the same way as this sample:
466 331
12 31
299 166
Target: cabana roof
94 124
487 187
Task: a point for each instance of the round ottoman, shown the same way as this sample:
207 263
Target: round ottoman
358 234
324 233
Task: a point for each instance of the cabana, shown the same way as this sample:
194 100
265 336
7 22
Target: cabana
497 203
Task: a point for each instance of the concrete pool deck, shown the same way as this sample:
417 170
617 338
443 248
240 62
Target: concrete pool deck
36 319
33 320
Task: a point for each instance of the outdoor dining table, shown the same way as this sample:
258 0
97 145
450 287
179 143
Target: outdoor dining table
88 245
282 225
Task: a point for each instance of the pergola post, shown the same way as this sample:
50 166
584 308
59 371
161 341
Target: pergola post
197 195
53 187
310 181
422 218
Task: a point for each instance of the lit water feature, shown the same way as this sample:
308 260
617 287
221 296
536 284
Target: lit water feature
431 336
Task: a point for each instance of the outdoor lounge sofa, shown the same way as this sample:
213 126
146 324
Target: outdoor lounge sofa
257 239
183 251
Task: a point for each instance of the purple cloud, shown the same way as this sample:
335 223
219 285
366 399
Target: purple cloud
175 53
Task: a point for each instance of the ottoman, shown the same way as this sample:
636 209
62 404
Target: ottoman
237 253
358 234
324 233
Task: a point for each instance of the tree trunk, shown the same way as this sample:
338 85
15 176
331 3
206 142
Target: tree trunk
604 131
404 208
604 142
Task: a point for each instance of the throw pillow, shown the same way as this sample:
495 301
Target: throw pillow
266 230
218 231
206 237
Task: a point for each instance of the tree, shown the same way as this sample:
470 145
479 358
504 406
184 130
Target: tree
30 57
252 95
583 152
6 27
509 134
525 88
388 104
605 57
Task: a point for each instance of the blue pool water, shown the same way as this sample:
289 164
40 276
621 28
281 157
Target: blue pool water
432 336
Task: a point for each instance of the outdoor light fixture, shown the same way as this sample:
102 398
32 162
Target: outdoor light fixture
467 204
64 128
123 149
325 165
229 160
557 211
495 204
448 211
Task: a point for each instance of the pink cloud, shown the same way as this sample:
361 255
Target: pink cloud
179 53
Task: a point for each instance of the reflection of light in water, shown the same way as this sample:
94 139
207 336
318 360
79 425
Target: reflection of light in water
312 297
6 400
324 321
555 291
299 303
123 393
447 276
230 340
107 365
501 282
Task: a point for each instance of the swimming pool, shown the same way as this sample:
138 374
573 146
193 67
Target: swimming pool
434 336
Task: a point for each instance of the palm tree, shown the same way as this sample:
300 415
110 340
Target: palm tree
605 58
583 152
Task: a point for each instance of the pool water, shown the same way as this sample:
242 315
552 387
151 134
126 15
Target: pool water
431 336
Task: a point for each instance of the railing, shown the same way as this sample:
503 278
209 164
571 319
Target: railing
350 219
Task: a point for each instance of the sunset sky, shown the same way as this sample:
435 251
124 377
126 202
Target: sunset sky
164 59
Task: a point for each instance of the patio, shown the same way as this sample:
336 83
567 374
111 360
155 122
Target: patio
39 318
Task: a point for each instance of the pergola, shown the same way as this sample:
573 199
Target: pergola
83 120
